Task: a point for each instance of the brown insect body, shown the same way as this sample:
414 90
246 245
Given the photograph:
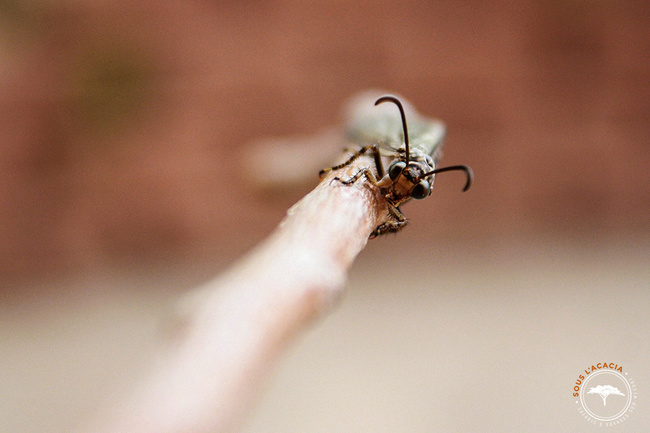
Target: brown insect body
411 172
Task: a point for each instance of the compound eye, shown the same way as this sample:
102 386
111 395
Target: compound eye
396 169
421 190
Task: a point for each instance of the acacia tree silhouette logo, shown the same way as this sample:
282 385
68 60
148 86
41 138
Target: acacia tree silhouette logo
605 391
605 380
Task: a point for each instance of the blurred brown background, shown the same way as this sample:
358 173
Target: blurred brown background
125 144
124 127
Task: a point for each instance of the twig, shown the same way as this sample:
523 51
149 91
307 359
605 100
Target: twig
230 332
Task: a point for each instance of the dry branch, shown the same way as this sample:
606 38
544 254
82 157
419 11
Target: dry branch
229 332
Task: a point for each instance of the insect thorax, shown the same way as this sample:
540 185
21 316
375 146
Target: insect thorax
425 163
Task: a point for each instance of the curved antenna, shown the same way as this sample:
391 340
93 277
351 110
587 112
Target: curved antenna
397 102
468 171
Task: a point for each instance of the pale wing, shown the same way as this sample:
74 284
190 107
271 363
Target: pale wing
382 125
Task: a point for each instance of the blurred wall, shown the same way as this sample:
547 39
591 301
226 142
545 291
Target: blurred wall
124 126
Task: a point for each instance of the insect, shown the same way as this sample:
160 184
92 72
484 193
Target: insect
412 169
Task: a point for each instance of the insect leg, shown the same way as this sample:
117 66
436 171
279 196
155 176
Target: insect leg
396 224
360 152
363 172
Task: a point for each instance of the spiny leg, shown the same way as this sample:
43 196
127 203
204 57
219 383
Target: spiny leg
398 222
362 172
375 153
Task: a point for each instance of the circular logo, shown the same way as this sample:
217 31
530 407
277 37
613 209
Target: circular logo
605 395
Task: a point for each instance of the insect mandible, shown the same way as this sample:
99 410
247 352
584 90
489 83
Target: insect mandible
412 169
